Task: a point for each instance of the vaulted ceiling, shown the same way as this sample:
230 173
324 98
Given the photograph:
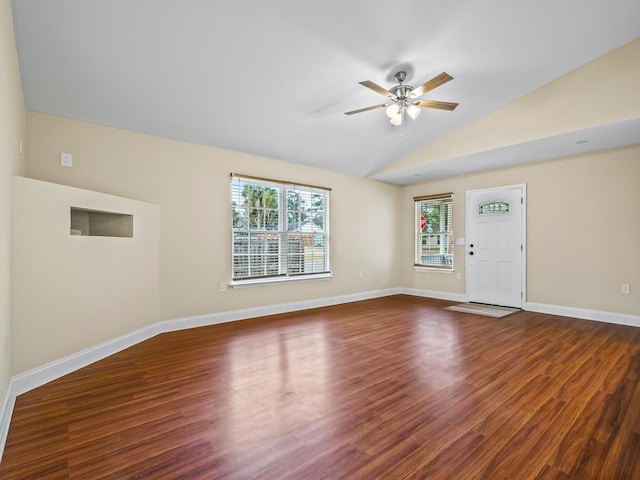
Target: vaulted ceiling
275 78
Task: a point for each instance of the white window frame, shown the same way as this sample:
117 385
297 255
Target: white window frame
442 261
312 261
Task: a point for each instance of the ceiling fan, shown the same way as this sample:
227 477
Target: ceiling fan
404 98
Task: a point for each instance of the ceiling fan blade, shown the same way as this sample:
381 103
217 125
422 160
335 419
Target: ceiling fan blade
360 110
431 84
377 88
436 104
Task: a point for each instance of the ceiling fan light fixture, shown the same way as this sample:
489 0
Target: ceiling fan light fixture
404 99
413 111
393 110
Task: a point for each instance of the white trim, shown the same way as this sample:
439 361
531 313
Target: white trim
281 279
524 244
6 411
235 315
501 187
453 297
420 268
584 314
40 375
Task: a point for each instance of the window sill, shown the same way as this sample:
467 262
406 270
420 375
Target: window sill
273 280
433 270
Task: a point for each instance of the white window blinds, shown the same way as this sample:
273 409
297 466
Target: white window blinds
434 231
280 229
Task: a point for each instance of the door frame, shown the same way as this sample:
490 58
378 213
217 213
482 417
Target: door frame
523 233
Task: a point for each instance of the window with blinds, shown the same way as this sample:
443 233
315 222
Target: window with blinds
280 229
434 231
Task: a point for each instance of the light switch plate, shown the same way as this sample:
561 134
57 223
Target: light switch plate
460 241
66 159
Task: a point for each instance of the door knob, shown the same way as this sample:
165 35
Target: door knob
470 253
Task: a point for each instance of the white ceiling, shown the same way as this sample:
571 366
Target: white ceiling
274 78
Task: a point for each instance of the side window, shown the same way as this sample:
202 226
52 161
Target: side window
434 231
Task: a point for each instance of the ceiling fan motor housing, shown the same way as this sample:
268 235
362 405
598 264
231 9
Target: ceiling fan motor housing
401 91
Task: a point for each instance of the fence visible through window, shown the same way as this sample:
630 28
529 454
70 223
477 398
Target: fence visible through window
279 229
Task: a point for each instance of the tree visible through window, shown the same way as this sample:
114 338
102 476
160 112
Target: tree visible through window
434 231
279 229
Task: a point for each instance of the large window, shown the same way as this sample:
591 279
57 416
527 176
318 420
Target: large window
280 229
434 231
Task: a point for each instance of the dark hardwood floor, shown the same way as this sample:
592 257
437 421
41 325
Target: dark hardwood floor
390 388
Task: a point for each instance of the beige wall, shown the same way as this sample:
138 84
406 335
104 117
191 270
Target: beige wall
583 229
191 185
601 92
73 292
12 124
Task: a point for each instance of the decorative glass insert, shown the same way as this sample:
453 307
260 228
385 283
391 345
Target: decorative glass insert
494 208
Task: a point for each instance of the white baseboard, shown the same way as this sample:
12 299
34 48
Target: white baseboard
584 314
453 297
39 376
235 315
6 410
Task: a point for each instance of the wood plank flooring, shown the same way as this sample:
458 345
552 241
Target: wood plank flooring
390 388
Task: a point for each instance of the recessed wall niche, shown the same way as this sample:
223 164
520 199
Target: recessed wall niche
95 223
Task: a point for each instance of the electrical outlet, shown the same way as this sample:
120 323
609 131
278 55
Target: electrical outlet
624 288
360 275
458 275
223 286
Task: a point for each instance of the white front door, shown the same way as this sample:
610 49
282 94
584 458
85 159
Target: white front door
495 246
